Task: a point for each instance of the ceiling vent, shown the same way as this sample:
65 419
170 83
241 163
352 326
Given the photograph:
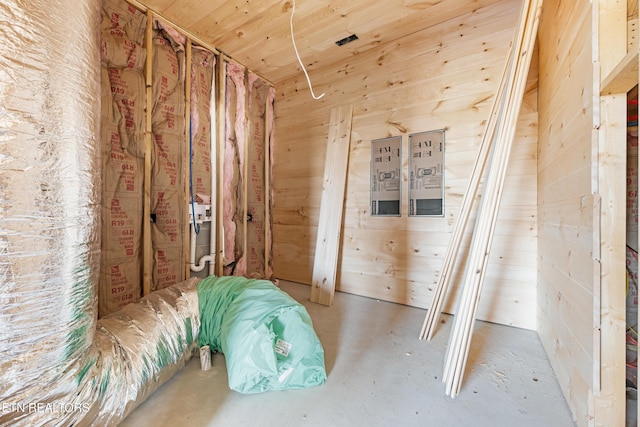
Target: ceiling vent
346 40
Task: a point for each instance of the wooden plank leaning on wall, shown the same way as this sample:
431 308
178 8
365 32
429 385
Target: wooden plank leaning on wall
444 280
462 330
325 263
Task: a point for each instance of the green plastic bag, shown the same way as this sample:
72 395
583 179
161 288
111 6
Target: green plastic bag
266 336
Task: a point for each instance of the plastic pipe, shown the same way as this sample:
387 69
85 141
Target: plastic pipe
203 261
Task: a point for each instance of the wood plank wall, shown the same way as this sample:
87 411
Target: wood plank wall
444 76
610 375
566 203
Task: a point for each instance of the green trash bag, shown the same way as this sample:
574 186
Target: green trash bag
266 336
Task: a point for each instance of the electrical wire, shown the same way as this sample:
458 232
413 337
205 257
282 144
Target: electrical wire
293 9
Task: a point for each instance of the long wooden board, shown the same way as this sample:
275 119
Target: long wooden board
187 154
147 249
220 121
323 282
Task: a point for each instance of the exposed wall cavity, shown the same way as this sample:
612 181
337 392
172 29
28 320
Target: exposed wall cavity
203 160
202 64
256 209
233 175
249 102
168 198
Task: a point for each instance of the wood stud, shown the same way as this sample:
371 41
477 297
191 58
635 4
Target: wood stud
187 164
222 77
267 187
147 256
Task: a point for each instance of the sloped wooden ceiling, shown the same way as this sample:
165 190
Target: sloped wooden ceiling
257 34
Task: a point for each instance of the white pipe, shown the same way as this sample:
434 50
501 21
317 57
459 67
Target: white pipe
192 259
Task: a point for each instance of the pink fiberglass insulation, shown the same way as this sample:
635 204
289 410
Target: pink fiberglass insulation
271 99
59 365
168 198
229 171
255 179
237 74
233 171
202 65
174 34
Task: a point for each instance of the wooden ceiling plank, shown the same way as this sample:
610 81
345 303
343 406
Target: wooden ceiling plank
231 29
189 12
318 53
316 34
233 18
257 34
409 49
157 5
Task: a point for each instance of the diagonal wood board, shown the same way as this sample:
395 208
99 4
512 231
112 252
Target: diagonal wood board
323 283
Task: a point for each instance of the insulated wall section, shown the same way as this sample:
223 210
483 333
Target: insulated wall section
200 135
168 201
258 91
122 148
202 64
155 162
233 172
248 131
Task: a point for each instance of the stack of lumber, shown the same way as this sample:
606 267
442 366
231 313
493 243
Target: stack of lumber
491 161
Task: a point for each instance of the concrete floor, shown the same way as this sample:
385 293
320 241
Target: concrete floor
379 374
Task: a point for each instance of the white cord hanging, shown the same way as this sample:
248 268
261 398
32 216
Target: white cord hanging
293 9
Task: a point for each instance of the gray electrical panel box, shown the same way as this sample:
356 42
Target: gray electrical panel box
426 169
386 176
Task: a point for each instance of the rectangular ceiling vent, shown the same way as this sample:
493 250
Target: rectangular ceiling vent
346 40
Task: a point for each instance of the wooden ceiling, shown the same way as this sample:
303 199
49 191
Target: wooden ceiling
256 33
